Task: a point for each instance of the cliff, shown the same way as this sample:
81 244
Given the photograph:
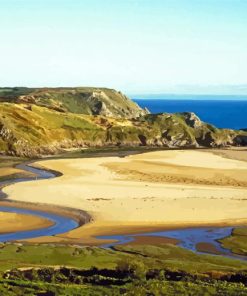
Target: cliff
28 129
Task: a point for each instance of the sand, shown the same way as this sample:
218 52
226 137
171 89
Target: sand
207 248
8 171
144 192
237 153
12 222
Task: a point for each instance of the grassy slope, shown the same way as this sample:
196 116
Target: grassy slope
13 256
81 100
42 127
199 272
33 130
135 288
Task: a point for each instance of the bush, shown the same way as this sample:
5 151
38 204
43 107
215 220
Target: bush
133 268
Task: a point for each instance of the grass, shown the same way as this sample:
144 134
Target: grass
81 100
130 270
176 257
15 255
136 288
33 130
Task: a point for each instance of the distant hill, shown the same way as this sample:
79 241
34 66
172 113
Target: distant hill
81 100
36 122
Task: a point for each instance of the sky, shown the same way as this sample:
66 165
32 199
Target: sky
136 46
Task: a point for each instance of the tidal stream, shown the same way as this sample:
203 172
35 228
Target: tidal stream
189 238
61 224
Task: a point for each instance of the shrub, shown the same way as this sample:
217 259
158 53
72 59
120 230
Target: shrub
133 268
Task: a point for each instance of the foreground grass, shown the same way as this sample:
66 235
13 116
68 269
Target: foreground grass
136 288
18 256
128 270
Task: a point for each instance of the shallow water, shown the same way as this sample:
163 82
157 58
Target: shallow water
188 238
40 174
61 224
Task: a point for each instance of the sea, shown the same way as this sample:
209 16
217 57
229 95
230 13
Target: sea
223 111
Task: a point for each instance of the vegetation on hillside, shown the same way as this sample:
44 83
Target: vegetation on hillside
80 100
31 130
129 270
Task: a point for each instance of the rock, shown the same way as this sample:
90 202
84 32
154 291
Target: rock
192 120
109 119
240 140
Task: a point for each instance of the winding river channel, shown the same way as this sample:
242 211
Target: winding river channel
188 238
60 224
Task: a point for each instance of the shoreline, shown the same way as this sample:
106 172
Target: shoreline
85 236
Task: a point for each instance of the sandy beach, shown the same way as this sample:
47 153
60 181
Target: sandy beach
13 171
12 222
143 192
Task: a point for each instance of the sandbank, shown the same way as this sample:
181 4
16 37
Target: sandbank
13 222
144 192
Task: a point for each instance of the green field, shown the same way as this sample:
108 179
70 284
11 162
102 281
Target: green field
127 270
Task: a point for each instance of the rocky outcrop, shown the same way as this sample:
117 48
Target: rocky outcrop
241 140
31 129
192 119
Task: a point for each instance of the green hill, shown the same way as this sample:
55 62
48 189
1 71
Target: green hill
31 130
81 100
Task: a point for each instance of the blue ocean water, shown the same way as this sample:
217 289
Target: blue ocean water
221 111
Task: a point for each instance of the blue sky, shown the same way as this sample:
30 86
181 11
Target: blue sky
137 46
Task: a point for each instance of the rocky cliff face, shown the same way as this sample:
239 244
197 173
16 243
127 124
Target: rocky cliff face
82 100
32 130
187 130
